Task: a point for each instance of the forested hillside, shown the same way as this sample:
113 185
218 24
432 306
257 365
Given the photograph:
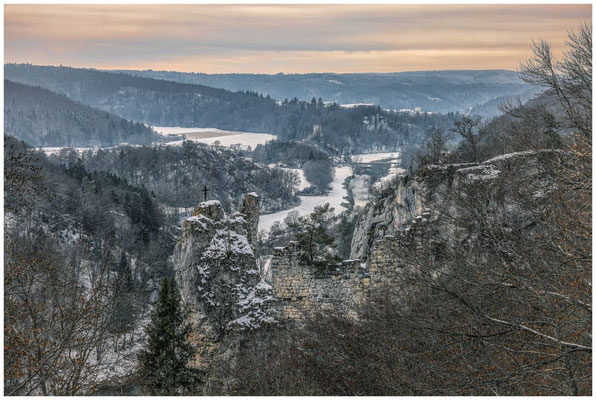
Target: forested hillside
166 103
435 91
176 175
83 251
43 118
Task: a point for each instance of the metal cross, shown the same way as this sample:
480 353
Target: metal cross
205 190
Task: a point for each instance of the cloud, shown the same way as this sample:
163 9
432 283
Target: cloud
288 38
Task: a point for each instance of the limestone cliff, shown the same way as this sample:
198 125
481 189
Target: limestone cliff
436 188
215 266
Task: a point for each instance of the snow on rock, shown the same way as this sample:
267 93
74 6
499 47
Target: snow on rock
480 173
210 203
201 220
251 304
510 156
226 242
216 269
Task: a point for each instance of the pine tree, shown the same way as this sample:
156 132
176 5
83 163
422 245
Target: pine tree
315 240
163 364
125 279
124 311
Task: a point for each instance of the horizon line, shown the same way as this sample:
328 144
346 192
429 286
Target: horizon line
116 70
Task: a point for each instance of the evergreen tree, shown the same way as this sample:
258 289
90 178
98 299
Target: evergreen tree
124 301
125 279
163 364
315 240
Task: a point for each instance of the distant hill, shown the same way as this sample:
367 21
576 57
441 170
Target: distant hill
43 118
157 102
433 91
167 103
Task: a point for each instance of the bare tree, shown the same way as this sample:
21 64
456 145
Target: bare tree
568 79
469 129
435 150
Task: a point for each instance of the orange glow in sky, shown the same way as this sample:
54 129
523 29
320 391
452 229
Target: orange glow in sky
285 38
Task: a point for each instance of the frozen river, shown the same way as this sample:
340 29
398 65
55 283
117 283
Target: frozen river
308 203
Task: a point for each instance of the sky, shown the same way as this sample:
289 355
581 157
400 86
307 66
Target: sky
285 38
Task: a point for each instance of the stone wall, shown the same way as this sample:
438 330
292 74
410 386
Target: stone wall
301 289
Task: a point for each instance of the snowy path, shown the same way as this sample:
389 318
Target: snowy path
308 203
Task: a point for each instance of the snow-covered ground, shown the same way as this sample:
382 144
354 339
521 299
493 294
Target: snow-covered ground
359 186
366 158
214 136
308 203
352 105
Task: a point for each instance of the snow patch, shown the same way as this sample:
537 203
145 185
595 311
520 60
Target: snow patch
226 242
510 155
352 105
366 158
480 173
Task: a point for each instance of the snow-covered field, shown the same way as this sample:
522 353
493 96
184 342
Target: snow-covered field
366 158
214 136
210 136
177 130
352 105
308 203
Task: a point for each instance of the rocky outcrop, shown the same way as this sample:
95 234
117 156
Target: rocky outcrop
215 266
250 210
438 186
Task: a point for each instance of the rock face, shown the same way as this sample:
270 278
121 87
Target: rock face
250 210
436 187
215 266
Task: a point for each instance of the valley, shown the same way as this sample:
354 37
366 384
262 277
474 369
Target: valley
335 198
348 233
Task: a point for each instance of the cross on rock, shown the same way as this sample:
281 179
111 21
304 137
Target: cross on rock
205 190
